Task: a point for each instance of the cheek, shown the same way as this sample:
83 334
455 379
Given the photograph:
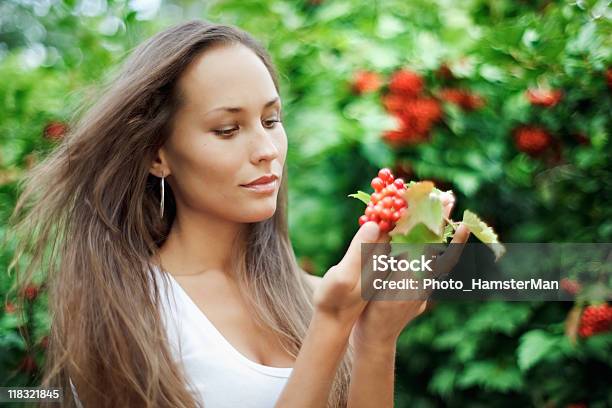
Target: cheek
206 172
281 145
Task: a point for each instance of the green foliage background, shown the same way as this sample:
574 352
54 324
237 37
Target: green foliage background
457 354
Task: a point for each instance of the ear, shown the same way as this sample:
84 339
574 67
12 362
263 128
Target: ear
159 166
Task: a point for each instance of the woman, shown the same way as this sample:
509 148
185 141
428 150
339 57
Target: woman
172 281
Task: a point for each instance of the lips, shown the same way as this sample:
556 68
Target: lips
268 178
264 185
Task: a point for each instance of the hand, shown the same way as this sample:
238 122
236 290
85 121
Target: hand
382 321
338 295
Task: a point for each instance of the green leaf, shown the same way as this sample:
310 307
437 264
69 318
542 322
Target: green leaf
360 195
419 234
491 376
487 319
534 347
423 208
483 232
449 231
443 381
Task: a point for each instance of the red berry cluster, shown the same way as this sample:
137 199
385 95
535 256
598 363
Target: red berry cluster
595 319
463 98
416 112
386 204
532 140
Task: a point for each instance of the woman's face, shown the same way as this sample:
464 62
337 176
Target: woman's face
226 135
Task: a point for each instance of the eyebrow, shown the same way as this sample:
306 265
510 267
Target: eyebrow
239 109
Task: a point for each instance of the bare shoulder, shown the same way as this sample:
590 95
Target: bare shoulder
313 280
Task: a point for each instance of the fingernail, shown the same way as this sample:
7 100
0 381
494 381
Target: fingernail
371 231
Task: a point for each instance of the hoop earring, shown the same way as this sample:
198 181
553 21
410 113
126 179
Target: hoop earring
161 203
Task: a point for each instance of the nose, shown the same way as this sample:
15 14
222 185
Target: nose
263 146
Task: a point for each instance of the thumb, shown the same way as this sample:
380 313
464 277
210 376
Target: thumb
368 233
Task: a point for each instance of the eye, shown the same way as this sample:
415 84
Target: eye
226 132
272 123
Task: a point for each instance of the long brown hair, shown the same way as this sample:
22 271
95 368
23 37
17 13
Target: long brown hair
89 217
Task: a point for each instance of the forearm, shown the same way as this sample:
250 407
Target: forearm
316 365
372 376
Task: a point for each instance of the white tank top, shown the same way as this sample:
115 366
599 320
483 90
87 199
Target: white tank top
220 376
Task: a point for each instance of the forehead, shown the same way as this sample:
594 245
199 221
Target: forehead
227 75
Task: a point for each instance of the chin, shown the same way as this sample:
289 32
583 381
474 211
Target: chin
259 214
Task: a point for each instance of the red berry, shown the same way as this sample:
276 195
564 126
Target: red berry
363 219
55 130
390 190
386 175
398 203
544 97
399 183
10 307
365 81
406 83
386 214
570 286
387 202
463 98
376 197
377 184
30 292
384 226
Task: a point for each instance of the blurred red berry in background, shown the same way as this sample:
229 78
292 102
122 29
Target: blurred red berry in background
407 83
532 140
465 99
30 292
366 81
595 319
544 97
55 130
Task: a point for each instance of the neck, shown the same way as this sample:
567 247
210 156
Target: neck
199 242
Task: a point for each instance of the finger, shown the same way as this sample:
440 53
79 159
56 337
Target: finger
350 264
447 209
448 201
410 293
450 257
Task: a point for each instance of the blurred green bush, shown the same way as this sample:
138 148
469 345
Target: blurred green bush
506 102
